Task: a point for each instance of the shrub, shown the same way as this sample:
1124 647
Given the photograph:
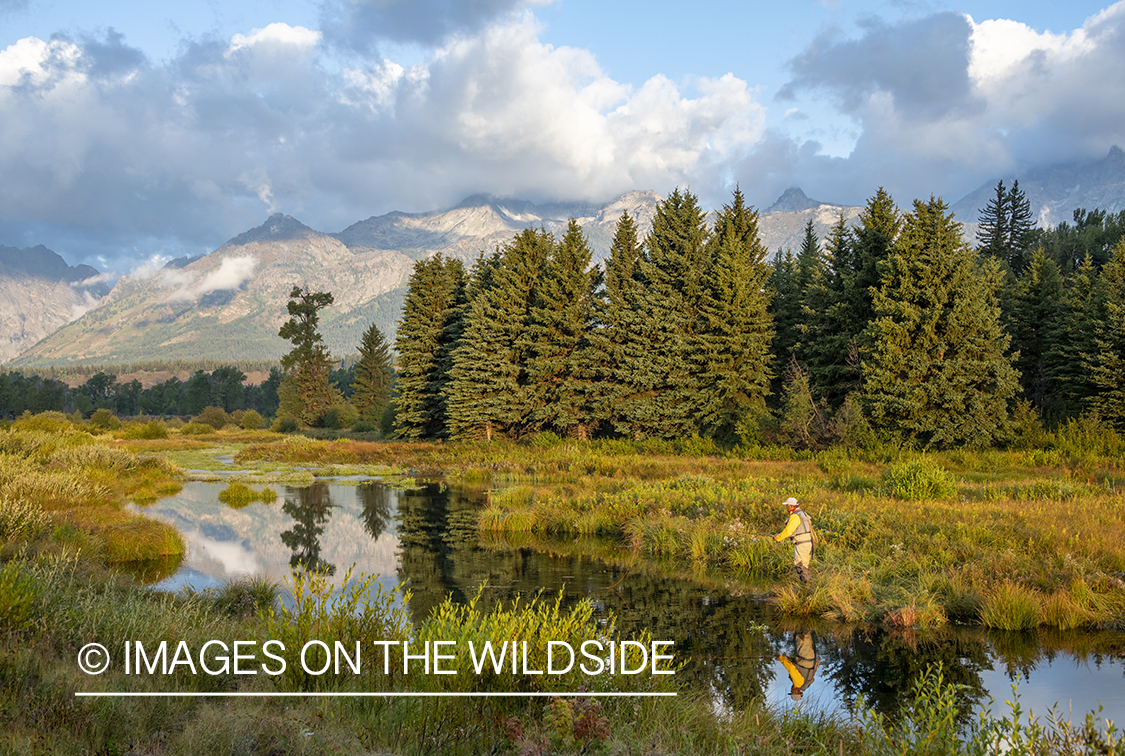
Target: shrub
150 430
284 425
18 594
216 417
196 428
51 422
251 420
338 416
919 480
103 419
545 440
364 426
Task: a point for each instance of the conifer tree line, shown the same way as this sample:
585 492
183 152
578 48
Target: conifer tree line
894 324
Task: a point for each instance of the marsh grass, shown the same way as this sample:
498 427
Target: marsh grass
238 495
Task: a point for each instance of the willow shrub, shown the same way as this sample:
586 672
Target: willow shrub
919 480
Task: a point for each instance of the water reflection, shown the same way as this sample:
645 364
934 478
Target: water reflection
734 646
802 668
310 507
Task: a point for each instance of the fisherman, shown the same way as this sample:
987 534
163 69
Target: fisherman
800 529
803 669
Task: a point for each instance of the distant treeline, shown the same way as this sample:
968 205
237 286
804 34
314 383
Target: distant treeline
895 326
75 375
224 387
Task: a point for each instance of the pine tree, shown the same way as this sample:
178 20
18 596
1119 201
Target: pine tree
737 329
938 371
309 361
1109 363
373 375
785 311
487 390
560 374
673 271
431 312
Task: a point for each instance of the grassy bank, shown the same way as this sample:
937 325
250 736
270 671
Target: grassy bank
63 489
1011 539
70 602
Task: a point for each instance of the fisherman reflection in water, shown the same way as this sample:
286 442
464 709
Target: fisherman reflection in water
801 670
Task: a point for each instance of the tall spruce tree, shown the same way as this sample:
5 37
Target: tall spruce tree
673 272
617 340
1005 225
785 311
1109 362
1034 316
937 371
309 362
487 391
431 316
828 349
373 375
561 391
736 329
1073 350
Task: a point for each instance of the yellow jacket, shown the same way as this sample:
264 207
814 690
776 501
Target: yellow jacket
799 528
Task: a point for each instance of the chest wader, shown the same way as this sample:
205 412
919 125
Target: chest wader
802 546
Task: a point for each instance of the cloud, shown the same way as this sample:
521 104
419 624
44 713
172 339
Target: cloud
944 103
89 302
98 142
231 274
359 24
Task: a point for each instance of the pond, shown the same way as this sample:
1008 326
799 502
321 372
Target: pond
735 646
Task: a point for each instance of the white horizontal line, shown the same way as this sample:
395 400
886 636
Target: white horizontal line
363 694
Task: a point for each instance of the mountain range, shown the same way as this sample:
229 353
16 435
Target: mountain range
229 304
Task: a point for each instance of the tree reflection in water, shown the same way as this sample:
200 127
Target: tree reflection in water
310 507
730 643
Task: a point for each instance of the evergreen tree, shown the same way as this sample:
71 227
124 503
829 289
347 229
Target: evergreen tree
1073 347
937 370
1109 362
487 390
737 329
673 272
309 362
828 349
1005 225
561 391
1035 312
785 311
617 342
373 375
431 315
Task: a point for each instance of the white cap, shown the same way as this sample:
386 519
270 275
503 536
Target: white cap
791 502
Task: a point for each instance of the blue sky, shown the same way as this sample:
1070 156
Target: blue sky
132 132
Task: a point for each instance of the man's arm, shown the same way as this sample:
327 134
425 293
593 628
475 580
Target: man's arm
790 528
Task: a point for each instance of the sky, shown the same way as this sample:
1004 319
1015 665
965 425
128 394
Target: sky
135 132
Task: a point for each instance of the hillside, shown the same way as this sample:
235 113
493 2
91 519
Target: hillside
39 293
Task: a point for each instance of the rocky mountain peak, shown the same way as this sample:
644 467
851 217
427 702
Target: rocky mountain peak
278 227
793 200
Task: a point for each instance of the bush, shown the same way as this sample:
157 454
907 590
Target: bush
387 420
284 425
18 594
338 416
919 480
251 420
545 440
216 417
196 428
103 419
51 422
150 430
364 426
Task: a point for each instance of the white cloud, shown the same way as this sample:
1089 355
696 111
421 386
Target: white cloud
100 141
231 273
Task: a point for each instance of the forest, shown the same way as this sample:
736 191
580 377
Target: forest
894 326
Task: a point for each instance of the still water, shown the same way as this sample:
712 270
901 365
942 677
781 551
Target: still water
736 648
